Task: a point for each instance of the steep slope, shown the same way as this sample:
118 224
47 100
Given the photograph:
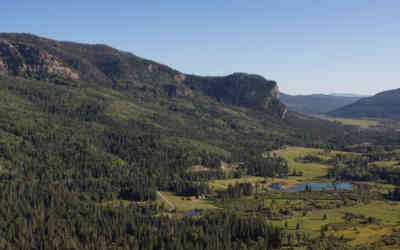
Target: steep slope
384 105
117 90
316 103
43 59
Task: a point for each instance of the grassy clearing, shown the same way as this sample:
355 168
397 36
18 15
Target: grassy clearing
199 168
366 235
223 184
188 205
387 212
386 164
286 182
363 123
310 170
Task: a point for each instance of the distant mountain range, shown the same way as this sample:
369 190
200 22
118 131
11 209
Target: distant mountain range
384 105
317 103
348 95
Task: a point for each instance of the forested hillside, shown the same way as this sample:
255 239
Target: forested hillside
316 103
83 126
384 105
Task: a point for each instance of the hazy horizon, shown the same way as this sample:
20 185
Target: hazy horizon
307 47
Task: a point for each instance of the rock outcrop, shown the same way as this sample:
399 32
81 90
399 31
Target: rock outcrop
242 89
39 58
19 59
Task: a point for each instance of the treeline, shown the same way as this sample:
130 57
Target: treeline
269 166
48 216
395 194
236 191
358 168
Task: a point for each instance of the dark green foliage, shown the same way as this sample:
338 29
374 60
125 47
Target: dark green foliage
238 190
359 169
43 216
310 159
329 243
382 105
395 194
270 166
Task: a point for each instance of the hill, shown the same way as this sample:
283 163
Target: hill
99 95
348 95
59 97
316 103
89 135
384 105
43 59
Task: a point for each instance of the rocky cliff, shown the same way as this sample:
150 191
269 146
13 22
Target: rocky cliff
30 56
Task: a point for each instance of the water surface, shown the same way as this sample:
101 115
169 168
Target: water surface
191 213
315 186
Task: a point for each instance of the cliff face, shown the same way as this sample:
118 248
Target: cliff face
34 57
252 91
19 59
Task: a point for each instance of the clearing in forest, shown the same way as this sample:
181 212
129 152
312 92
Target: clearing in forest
310 170
183 204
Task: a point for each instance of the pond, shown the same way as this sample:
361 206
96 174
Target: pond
191 213
315 186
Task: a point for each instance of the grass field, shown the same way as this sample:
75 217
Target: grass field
354 122
223 184
386 164
387 212
188 205
310 170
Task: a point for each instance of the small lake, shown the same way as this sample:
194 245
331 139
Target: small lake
191 213
315 186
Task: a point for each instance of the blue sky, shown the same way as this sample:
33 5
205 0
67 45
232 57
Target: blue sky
306 46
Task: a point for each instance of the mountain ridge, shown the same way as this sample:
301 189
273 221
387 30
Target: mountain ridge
31 56
315 103
384 105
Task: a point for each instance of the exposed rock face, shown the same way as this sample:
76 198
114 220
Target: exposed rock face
3 68
242 89
178 91
180 78
28 61
275 97
34 57
275 92
284 111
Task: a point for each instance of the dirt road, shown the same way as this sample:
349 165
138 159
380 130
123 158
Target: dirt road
171 205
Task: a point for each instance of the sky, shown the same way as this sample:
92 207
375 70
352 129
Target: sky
307 46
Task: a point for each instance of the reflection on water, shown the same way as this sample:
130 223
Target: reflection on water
191 213
313 186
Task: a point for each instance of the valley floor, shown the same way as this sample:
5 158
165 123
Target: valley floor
337 213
